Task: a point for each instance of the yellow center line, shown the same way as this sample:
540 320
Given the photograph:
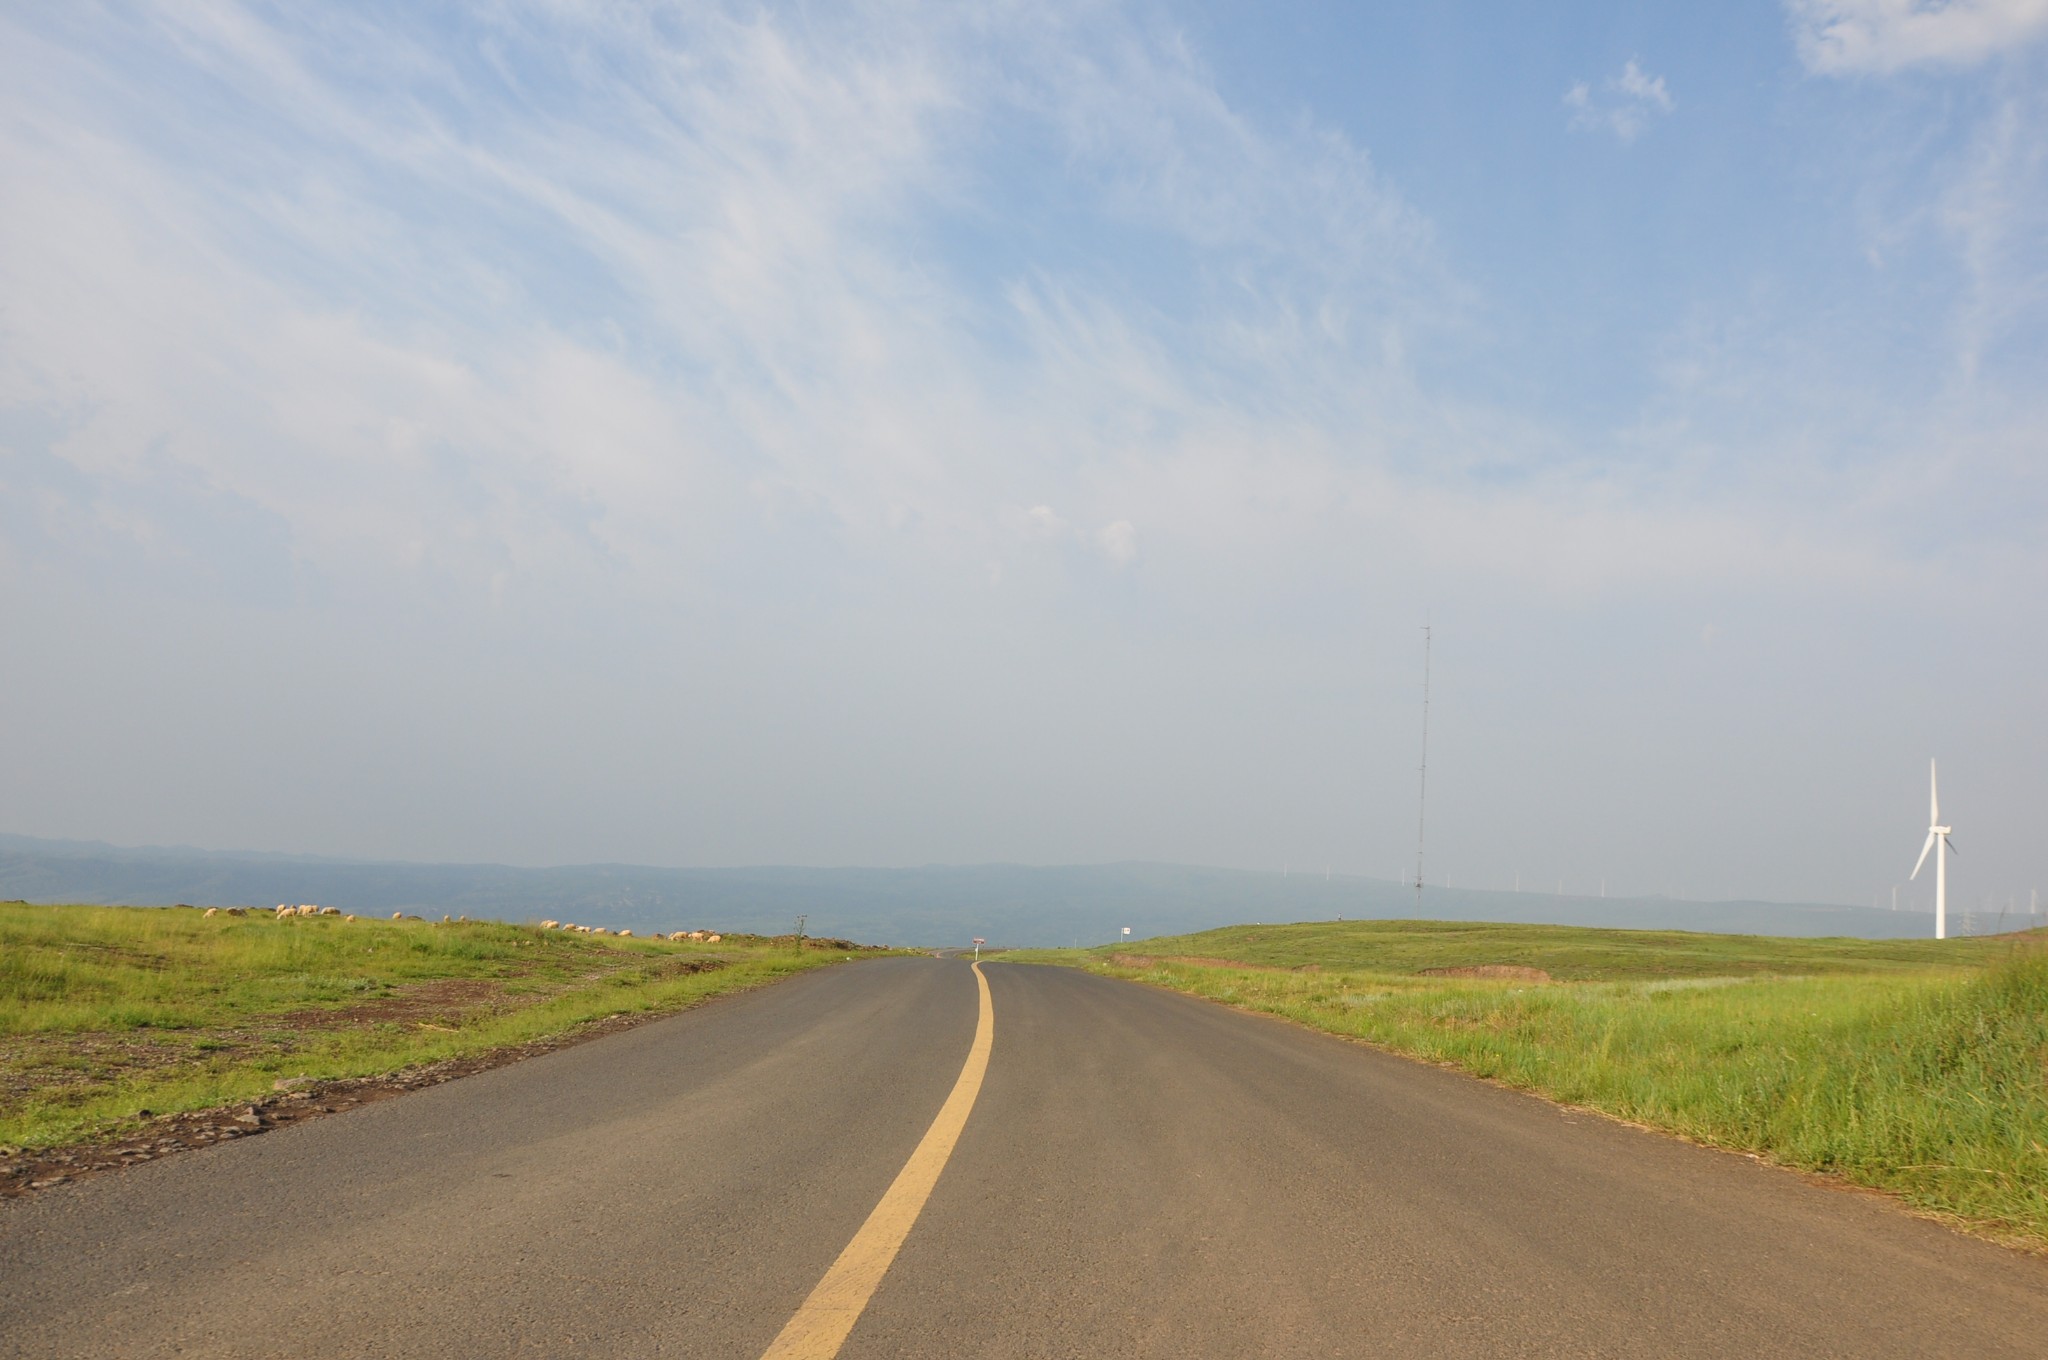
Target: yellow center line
820 1327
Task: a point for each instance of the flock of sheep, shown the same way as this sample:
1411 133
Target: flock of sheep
306 909
674 937
303 909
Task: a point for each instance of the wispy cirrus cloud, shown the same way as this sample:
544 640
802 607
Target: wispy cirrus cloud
719 281
1847 37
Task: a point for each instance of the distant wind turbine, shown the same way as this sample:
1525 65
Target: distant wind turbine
1937 835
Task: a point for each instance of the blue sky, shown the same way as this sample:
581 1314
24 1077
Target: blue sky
895 433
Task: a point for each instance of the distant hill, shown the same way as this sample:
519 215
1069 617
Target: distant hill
937 904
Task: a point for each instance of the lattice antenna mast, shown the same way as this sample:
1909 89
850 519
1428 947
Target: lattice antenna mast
1422 790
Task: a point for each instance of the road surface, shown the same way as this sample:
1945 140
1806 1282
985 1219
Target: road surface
1138 1174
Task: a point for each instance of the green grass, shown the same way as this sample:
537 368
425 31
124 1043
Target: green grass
1914 1067
1569 953
105 1011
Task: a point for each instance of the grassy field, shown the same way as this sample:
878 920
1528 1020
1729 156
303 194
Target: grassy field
1915 1067
1568 953
105 1011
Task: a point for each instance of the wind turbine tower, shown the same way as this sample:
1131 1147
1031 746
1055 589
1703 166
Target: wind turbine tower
1422 782
1937 841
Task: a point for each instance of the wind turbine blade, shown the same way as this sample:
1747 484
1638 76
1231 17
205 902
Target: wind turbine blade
1933 797
1951 846
1923 857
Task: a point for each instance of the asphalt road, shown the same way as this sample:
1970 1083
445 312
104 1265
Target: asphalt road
1141 1174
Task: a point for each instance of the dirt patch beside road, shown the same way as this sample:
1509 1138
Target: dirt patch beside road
296 1101
445 999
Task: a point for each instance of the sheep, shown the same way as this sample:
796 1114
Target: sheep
330 911
213 911
697 936
549 925
350 917
713 939
625 934
398 916
284 911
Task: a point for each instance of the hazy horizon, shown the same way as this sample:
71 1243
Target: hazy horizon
929 904
881 435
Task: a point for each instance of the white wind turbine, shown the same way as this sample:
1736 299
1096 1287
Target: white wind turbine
1936 833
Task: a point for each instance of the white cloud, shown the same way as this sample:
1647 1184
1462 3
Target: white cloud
1994 213
1848 37
720 324
1042 522
1624 105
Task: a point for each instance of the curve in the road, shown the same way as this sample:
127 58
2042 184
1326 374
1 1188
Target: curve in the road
820 1327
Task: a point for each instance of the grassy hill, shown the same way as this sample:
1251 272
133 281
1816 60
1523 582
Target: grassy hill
1915 1067
107 1011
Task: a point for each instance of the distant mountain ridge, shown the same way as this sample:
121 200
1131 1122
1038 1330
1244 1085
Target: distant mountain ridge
932 905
